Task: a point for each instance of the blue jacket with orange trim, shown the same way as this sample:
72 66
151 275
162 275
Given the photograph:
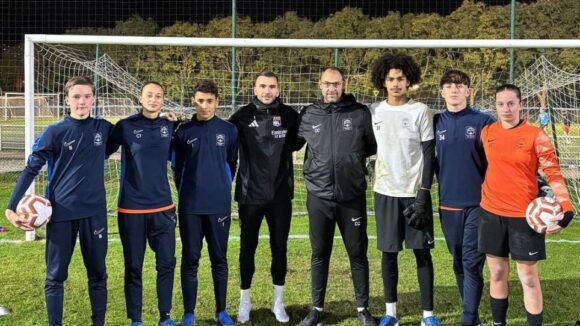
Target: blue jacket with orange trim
146 148
204 159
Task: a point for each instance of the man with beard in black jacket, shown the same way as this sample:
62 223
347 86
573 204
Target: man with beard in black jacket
339 137
265 185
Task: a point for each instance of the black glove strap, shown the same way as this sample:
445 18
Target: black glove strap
568 217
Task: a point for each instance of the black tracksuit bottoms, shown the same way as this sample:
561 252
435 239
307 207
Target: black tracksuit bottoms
278 217
351 217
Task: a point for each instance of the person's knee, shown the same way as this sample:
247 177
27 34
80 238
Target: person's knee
498 273
166 265
529 277
423 257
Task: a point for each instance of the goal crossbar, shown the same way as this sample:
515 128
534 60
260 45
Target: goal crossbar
304 43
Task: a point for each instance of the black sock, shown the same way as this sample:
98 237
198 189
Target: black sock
163 315
535 320
499 309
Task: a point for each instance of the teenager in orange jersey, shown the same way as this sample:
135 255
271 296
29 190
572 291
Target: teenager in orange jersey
515 150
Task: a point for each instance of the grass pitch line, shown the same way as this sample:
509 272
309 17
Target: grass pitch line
266 237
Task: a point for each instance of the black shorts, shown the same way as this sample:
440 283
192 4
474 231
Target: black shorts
392 226
503 236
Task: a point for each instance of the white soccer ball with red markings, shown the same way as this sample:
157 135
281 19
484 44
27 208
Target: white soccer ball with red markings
540 211
35 209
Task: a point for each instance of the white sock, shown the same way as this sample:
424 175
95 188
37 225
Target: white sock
359 309
278 293
245 295
391 308
318 308
427 313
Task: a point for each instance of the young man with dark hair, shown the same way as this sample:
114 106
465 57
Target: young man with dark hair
339 137
403 175
205 154
265 185
75 151
460 170
146 212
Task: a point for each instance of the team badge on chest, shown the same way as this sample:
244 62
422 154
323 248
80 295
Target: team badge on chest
347 124
277 121
98 139
164 132
469 132
220 139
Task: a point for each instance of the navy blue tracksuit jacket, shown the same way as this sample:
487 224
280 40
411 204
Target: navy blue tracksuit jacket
144 187
208 153
75 152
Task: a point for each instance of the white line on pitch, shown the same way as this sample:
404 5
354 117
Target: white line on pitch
291 236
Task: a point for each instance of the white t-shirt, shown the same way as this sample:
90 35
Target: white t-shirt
399 131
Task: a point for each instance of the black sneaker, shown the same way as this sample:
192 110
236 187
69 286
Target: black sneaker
366 319
312 319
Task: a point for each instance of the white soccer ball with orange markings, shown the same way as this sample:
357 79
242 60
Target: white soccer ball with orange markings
540 211
35 209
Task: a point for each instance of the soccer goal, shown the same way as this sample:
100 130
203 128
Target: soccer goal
547 71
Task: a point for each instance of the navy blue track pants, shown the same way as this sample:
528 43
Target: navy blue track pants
61 238
159 230
193 229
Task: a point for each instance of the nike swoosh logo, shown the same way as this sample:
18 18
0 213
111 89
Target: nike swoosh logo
439 132
355 219
67 144
490 140
377 123
316 126
189 141
137 131
532 253
97 232
431 242
222 219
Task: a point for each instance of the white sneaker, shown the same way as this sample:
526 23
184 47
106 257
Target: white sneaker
280 312
244 311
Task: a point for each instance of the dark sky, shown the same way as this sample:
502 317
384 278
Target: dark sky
19 17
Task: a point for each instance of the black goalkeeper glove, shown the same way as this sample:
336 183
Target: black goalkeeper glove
568 216
416 213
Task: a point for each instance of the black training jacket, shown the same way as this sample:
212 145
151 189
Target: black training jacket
339 138
267 136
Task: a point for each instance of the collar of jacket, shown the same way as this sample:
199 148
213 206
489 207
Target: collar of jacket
77 121
459 113
154 120
194 119
261 106
346 100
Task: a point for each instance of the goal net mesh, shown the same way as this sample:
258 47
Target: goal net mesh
119 71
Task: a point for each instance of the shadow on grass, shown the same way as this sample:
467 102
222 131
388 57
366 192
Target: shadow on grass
560 307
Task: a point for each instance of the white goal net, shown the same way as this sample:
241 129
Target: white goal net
548 83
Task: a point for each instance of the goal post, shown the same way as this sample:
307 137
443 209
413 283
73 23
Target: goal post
297 63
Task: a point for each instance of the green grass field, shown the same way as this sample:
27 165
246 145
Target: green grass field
22 282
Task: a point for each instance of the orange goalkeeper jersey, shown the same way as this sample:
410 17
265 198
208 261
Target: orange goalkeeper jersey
514 156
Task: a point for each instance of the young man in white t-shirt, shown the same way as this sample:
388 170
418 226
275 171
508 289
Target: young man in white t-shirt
403 175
